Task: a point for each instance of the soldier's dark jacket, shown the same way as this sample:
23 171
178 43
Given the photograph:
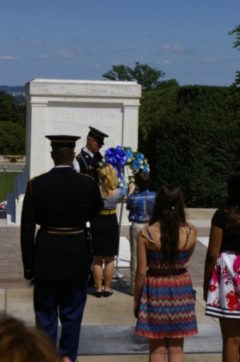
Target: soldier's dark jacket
88 164
60 198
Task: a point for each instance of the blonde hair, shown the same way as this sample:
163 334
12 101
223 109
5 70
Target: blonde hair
108 176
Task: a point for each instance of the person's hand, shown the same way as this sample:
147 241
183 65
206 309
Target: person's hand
131 188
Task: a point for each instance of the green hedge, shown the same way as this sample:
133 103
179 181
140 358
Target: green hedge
12 125
191 136
12 138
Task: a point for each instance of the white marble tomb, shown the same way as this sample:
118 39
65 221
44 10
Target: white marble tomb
70 107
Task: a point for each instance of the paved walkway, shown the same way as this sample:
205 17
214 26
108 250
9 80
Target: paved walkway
108 323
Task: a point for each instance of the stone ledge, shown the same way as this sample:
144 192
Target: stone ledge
200 213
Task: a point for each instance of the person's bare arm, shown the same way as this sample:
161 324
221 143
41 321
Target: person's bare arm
131 189
141 270
192 239
215 242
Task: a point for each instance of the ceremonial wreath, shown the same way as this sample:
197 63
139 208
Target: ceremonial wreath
127 163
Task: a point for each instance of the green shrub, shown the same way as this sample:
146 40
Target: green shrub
12 138
191 136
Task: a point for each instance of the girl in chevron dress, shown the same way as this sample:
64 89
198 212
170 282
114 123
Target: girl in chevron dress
164 297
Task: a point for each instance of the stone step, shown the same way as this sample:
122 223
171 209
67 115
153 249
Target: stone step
112 340
110 324
196 357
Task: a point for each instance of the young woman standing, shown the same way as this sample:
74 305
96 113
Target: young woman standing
222 270
164 296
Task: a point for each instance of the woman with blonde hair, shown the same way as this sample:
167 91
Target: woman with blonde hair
105 231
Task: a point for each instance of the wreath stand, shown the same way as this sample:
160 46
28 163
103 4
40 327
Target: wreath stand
117 274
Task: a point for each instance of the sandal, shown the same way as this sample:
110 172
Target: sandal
107 293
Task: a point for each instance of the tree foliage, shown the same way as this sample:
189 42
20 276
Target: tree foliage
191 136
236 31
143 74
12 138
12 125
119 72
10 110
236 44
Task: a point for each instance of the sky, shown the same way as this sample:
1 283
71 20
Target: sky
82 39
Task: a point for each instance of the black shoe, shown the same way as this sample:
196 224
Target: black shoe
107 293
98 294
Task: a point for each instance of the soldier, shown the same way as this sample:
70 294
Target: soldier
89 157
58 260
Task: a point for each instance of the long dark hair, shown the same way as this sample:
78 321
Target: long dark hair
169 211
232 204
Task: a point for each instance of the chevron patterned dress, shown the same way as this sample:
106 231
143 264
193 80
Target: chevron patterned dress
167 304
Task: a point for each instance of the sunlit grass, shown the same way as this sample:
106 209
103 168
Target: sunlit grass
6 183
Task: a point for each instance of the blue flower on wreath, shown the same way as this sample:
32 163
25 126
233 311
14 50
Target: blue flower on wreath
146 169
139 157
117 158
121 157
136 165
129 153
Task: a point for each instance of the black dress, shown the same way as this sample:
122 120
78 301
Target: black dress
105 229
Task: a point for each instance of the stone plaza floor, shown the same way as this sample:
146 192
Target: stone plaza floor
108 323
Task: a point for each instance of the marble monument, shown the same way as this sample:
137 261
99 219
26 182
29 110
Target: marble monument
70 107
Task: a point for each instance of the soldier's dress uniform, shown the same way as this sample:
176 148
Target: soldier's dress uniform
59 257
88 161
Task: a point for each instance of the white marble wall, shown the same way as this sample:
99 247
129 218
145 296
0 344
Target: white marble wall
70 107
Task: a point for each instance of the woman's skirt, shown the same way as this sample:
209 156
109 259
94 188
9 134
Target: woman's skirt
167 308
223 299
105 235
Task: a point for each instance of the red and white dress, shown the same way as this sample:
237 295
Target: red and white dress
223 299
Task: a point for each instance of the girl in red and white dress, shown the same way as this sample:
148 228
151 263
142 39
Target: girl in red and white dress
222 270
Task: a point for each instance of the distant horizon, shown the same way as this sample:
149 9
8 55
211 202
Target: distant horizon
162 80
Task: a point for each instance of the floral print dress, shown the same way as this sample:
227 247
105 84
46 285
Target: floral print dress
223 299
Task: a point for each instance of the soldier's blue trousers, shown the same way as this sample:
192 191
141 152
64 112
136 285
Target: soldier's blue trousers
66 299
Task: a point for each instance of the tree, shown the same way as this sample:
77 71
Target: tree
119 72
10 110
147 76
170 83
12 138
185 133
236 44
